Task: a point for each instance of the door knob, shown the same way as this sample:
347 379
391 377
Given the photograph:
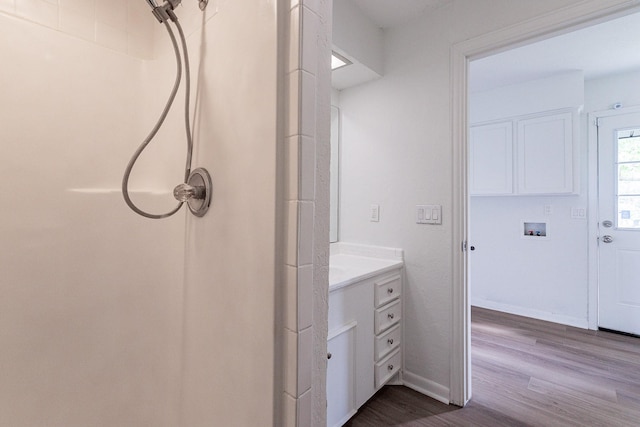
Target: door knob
607 239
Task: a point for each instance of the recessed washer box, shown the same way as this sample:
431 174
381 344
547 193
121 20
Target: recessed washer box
535 230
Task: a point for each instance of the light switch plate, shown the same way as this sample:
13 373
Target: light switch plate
428 214
375 213
579 213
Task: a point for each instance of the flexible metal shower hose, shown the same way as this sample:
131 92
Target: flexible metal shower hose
158 125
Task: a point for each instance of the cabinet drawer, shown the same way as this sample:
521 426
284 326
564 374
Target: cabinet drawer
387 316
387 290
387 342
387 368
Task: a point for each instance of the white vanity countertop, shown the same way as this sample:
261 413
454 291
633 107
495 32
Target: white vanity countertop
347 269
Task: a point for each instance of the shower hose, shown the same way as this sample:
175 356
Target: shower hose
163 115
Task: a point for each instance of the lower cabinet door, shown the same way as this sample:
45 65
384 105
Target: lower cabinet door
341 375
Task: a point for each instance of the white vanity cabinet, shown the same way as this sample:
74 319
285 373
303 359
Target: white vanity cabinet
388 314
364 342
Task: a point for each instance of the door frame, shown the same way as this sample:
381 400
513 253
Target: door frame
582 14
594 217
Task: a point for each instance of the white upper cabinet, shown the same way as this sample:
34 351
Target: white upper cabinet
545 154
491 158
543 160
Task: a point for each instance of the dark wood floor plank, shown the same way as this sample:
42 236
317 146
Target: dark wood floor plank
528 372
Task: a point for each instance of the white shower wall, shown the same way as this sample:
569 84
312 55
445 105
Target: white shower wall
90 314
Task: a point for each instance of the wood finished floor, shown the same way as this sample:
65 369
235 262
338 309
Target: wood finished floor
527 372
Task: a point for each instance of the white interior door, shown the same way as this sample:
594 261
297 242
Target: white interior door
619 223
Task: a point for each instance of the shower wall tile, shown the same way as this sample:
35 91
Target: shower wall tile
305 358
305 234
315 6
303 417
291 363
310 23
85 7
290 416
307 119
292 159
111 37
291 297
307 168
77 24
121 25
8 6
292 234
39 11
303 42
112 13
305 297
294 40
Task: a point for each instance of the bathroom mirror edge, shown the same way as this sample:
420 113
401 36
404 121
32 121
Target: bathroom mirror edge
334 204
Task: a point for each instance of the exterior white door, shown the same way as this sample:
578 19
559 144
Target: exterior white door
619 223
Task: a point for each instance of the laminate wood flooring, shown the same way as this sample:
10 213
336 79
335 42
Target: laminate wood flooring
528 372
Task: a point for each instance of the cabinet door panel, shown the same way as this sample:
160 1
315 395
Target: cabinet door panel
341 376
545 154
491 158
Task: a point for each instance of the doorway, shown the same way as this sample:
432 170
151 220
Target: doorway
462 54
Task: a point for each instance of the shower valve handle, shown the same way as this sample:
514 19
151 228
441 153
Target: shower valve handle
184 192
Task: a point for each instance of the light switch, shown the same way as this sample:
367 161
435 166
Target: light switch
579 213
428 214
375 213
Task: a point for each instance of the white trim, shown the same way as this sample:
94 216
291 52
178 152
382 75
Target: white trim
426 387
582 14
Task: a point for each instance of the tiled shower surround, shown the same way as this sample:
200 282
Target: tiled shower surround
119 337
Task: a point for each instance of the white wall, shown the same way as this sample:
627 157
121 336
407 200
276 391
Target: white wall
397 153
545 279
602 93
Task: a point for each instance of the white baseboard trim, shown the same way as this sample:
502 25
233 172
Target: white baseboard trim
529 312
426 387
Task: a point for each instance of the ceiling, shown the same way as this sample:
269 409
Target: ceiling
390 13
603 49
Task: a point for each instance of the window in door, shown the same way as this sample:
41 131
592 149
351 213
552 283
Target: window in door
628 179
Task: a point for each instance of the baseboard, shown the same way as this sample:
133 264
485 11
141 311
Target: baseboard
426 387
528 312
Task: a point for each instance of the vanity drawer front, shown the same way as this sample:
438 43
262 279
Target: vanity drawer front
387 368
387 342
387 289
387 316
